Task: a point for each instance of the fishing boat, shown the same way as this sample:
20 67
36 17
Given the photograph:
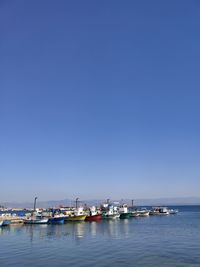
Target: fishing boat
110 212
75 218
159 211
123 211
93 215
54 216
34 220
77 215
95 218
36 216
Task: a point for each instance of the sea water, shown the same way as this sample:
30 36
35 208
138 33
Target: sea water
154 241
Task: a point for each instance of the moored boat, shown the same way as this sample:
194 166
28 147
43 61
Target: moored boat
93 215
76 216
6 222
125 215
91 218
56 220
110 212
1 223
107 216
134 213
36 221
159 211
123 211
143 212
17 221
173 211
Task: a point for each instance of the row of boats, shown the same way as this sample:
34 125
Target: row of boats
62 215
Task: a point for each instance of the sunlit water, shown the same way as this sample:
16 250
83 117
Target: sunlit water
153 241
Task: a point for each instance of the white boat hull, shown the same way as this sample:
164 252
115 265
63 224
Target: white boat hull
36 221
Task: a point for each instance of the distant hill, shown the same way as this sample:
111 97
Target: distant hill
137 202
168 201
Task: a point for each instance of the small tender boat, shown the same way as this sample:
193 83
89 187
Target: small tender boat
143 212
172 211
134 213
1 223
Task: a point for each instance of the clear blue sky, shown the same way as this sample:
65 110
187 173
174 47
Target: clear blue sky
99 99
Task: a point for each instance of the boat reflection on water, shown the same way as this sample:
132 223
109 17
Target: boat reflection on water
78 231
17 228
93 228
4 230
115 228
51 232
36 231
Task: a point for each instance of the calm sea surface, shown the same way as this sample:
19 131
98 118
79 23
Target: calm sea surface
154 241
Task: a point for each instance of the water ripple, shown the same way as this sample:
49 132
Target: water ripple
171 241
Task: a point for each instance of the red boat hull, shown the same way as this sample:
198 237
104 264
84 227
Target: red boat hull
92 218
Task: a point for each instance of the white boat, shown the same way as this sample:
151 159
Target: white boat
33 220
111 212
159 211
134 213
143 212
1 223
172 211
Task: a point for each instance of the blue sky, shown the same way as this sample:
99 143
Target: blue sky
99 99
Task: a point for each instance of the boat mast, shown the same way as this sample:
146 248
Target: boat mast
34 203
77 202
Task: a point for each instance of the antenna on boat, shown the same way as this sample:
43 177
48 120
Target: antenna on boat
34 203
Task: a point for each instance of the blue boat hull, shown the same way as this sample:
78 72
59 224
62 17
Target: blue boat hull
6 222
56 220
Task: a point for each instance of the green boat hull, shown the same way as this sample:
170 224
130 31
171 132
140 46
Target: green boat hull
125 215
